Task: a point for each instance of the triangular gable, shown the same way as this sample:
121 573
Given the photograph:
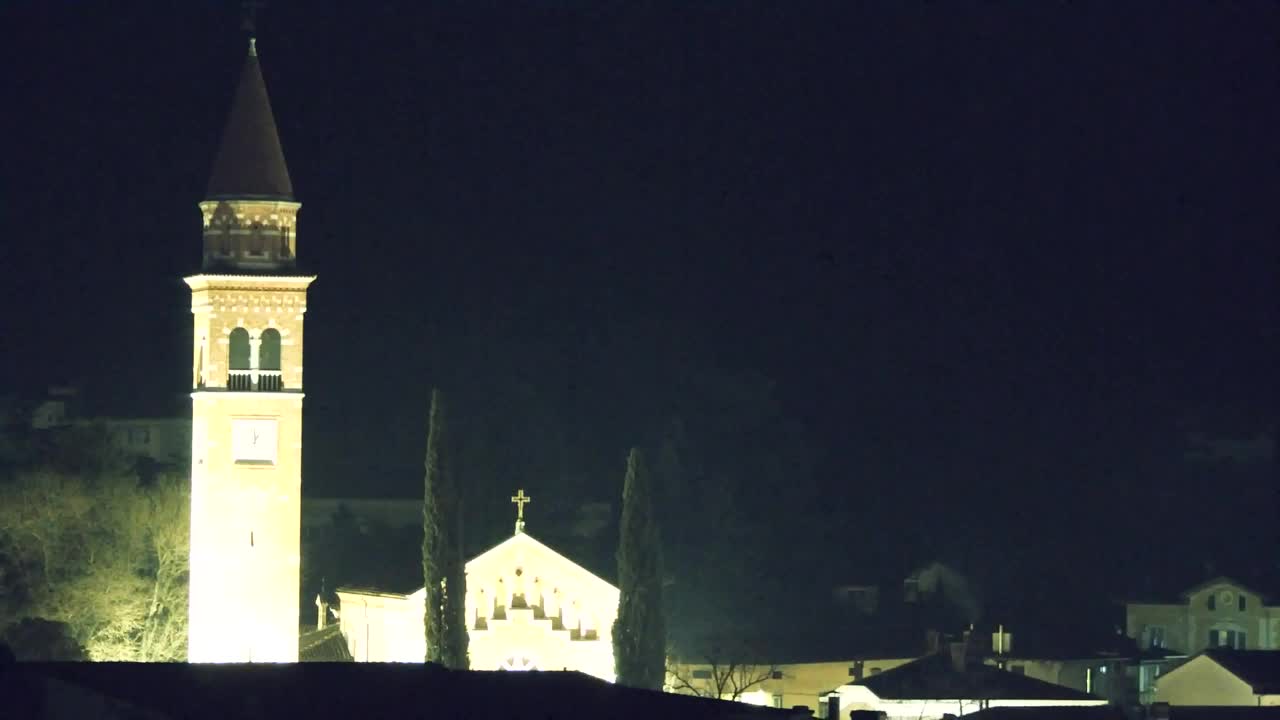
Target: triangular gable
1223 580
1198 663
1258 669
551 562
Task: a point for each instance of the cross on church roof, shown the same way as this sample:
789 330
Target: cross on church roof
520 499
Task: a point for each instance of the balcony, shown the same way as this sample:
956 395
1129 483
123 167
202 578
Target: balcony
255 381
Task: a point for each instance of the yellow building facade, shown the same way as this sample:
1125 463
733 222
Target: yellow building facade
247 305
1219 613
1222 678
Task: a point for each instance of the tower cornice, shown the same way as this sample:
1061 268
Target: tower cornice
219 281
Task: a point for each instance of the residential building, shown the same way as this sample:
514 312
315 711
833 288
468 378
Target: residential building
1219 613
950 682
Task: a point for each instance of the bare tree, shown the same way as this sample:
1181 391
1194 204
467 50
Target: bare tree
109 558
720 672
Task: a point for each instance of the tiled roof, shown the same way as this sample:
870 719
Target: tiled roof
250 163
327 645
345 690
935 677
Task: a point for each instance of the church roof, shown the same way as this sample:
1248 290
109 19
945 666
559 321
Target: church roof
524 538
250 163
323 645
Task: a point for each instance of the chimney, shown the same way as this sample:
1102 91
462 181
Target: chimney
1001 641
932 641
959 654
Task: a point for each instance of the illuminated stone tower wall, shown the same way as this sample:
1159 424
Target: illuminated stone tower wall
246 461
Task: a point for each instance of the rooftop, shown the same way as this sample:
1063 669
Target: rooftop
344 690
1259 668
935 677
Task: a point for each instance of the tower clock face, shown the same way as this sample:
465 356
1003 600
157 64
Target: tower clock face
253 440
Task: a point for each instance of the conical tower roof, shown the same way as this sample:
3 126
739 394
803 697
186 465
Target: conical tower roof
250 163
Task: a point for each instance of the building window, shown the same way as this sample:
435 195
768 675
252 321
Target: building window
1241 602
1213 602
1227 638
269 359
239 351
777 701
701 674
1155 636
238 360
776 674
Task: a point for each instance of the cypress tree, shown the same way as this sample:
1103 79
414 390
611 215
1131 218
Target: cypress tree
639 633
444 620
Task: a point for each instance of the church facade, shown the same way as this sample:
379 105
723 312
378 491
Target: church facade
247 304
528 608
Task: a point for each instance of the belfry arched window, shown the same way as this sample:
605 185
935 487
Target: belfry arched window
269 360
257 245
238 361
224 237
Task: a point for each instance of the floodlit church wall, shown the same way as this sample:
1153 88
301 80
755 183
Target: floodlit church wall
382 628
550 615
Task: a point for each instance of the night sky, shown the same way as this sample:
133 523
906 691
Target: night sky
1005 271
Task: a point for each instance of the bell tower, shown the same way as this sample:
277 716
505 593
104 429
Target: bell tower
246 420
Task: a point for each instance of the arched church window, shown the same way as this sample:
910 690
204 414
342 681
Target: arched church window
238 361
269 361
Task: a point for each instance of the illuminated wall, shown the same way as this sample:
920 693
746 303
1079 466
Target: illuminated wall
859 697
246 470
528 608
787 685
1202 681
